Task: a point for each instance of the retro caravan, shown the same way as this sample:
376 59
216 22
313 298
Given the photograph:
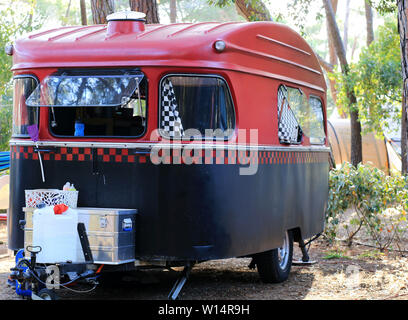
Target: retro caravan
184 143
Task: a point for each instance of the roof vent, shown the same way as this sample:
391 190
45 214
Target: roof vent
125 22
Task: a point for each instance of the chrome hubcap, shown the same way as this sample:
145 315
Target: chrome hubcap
283 252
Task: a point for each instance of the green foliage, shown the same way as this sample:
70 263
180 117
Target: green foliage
5 172
67 12
299 11
379 203
16 19
384 6
6 111
376 81
12 23
372 255
200 10
335 254
257 5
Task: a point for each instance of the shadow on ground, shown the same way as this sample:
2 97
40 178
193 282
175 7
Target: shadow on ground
228 279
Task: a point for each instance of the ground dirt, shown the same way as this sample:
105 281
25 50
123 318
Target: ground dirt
340 273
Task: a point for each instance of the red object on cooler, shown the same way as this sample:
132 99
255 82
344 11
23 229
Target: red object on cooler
60 208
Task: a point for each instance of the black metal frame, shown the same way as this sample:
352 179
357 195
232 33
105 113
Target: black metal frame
23 76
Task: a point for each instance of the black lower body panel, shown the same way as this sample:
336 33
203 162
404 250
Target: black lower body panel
186 212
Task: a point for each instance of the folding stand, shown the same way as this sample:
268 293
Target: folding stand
180 281
305 256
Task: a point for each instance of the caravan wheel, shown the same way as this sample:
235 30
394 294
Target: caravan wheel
274 265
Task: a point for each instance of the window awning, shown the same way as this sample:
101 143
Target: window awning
99 90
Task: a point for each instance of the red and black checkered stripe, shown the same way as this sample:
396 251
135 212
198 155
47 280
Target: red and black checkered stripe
57 153
171 156
120 155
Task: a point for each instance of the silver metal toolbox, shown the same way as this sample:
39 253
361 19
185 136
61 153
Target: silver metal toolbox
111 233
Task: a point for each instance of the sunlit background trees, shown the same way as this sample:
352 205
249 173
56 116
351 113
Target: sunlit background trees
357 43
361 47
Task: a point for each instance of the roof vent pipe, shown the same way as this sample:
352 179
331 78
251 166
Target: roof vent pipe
125 22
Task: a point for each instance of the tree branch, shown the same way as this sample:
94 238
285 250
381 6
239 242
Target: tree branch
253 10
325 65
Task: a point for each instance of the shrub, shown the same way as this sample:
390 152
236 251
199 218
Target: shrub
379 203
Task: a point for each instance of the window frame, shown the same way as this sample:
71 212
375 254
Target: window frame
145 78
308 102
202 138
324 119
24 76
293 113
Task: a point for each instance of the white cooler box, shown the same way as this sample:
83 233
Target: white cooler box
111 234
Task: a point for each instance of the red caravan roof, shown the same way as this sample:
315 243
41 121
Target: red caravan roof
264 48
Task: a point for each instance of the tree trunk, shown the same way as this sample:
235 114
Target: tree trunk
333 59
253 10
369 22
346 24
68 10
101 9
404 131
173 11
332 50
82 4
324 64
353 47
149 7
356 141
369 28
355 127
403 31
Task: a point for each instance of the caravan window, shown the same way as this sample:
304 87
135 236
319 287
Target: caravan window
317 134
95 103
289 129
202 104
23 116
297 116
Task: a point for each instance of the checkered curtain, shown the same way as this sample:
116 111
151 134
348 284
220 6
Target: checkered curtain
170 118
288 127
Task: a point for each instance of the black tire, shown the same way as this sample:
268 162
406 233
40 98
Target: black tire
272 268
47 294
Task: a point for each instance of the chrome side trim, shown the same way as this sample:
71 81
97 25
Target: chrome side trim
159 27
163 145
65 34
86 35
190 27
220 26
256 53
39 34
284 44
